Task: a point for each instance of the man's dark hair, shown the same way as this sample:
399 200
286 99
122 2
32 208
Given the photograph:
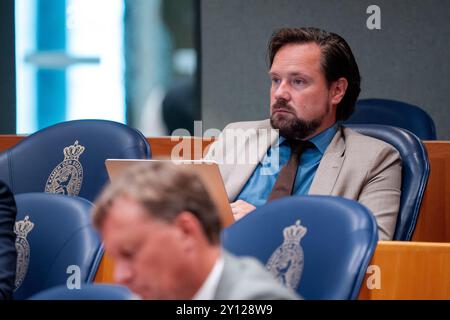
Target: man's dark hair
337 60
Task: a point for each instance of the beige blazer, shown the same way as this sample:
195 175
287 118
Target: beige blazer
353 166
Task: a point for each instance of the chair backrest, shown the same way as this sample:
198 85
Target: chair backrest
56 243
319 246
415 172
394 113
69 158
86 292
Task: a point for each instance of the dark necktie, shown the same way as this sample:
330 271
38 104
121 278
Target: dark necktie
286 178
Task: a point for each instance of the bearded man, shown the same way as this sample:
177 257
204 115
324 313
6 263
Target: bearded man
303 148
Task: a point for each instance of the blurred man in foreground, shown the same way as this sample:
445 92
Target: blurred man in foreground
163 232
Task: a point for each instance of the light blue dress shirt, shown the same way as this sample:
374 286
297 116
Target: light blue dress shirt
258 187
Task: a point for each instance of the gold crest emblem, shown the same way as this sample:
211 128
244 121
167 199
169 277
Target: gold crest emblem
21 229
67 176
286 262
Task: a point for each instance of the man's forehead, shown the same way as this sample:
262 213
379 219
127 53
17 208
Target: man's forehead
293 73
307 50
125 211
295 55
124 224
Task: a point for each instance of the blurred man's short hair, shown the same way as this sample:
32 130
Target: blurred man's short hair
164 190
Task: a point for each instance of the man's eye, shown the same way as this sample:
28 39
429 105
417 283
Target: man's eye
127 254
275 81
298 82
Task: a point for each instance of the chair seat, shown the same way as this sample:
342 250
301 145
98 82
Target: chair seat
415 172
319 246
394 113
69 158
86 292
56 243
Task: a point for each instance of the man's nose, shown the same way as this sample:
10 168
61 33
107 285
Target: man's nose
282 91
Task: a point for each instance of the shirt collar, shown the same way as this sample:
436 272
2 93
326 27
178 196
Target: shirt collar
208 289
323 139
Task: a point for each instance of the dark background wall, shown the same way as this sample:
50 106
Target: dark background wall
408 59
7 68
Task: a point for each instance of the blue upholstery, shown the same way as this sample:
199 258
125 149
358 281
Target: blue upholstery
340 239
61 236
394 113
38 162
86 292
415 172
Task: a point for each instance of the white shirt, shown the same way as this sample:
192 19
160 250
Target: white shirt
209 287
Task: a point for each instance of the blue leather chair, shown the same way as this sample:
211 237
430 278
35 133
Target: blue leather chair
394 113
55 243
415 172
69 157
86 292
319 246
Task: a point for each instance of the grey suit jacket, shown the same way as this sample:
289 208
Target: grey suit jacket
7 242
353 166
245 278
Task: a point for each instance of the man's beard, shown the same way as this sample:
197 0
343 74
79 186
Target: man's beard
291 127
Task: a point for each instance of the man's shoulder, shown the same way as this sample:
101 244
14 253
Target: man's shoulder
357 142
7 201
244 264
246 278
7 239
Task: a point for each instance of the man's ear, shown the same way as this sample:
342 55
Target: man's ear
188 226
337 90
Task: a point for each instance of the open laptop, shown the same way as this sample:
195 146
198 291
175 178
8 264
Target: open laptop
208 171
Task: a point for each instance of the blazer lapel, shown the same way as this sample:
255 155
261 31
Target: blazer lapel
330 166
255 147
